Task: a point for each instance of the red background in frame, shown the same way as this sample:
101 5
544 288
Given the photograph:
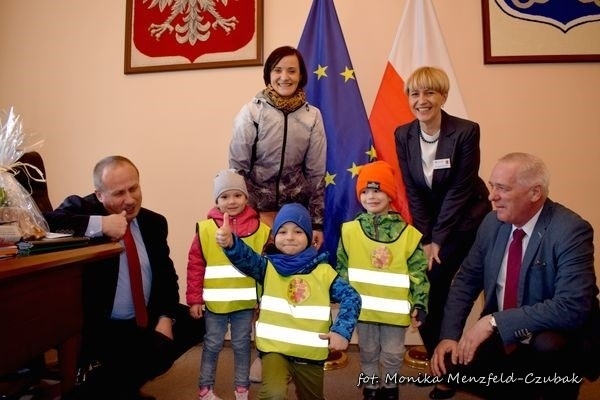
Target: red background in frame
218 42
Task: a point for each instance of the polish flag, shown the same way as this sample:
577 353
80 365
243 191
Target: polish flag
418 42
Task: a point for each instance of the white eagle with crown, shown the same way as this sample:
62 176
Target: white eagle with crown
195 27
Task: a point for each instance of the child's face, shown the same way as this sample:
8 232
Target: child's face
375 201
232 202
290 239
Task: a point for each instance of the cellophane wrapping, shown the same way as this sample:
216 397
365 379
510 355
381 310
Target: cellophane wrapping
17 207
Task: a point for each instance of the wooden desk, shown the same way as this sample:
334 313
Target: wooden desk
41 307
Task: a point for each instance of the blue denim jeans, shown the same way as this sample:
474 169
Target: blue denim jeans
381 352
216 328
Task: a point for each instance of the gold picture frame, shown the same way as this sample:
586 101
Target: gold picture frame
511 35
160 37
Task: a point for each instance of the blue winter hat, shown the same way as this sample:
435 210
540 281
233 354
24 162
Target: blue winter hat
296 213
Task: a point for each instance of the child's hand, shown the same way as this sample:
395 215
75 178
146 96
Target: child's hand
417 317
224 238
196 311
336 341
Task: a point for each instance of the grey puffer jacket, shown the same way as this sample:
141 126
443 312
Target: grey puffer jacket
282 156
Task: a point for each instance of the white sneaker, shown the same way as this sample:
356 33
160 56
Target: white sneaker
241 395
256 371
210 395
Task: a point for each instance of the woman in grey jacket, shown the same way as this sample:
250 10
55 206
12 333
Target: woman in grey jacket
279 143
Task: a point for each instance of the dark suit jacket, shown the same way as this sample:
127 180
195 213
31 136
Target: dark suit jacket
458 199
557 284
100 279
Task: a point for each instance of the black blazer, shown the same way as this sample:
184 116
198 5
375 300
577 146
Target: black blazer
458 199
100 279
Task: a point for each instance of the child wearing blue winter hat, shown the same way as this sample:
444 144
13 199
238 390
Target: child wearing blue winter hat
294 331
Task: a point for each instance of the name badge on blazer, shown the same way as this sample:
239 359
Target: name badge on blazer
442 163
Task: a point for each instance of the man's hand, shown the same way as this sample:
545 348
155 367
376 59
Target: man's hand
165 326
445 346
472 338
336 341
224 238
115 225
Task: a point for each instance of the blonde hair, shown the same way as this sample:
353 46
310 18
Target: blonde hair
428 78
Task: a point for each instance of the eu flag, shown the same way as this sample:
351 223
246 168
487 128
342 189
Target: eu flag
333 88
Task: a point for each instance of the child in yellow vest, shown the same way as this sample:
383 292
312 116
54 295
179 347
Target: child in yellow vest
219 292
381 256
294 332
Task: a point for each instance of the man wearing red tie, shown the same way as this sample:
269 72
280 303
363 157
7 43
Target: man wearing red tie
534 260
131 303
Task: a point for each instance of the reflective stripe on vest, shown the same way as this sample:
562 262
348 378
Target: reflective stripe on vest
294 310
379 273
226 289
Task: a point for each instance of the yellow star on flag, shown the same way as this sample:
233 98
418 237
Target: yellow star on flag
321 71
372 153
354 169
329 179
347 74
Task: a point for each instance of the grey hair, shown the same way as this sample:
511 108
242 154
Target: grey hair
532 170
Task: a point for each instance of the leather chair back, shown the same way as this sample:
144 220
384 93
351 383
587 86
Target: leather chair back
38 190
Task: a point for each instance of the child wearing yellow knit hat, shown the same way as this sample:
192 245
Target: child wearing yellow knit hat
381 257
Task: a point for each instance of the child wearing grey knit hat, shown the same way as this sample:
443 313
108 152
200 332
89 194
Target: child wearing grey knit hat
229 179
218 292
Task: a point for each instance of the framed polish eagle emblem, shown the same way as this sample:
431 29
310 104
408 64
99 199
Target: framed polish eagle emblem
171 35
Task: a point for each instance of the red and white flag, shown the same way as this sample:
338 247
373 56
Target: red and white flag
418 42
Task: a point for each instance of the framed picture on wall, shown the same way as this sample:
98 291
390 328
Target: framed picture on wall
530 31
170 35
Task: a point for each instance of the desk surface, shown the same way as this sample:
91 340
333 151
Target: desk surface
21 265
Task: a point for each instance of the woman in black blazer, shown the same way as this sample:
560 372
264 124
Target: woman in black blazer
439 158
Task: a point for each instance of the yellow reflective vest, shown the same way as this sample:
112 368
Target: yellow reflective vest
226 289
379 273
294 310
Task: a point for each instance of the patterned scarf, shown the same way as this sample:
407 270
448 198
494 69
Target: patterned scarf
285 104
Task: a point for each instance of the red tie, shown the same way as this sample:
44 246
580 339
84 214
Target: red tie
135 279
513 267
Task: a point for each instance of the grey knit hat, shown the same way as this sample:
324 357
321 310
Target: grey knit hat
229 179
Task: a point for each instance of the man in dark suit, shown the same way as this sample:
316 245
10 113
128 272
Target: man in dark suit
128 353
553 327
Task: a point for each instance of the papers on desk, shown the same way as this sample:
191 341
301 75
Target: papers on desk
54 235
7 251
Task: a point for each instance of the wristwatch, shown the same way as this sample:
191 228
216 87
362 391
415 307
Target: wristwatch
492 322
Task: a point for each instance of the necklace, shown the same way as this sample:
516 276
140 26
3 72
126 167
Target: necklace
428 141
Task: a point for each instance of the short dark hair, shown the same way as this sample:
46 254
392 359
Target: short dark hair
276 56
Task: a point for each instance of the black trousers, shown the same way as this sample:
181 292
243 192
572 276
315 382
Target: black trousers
548 368
127 356
440 277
